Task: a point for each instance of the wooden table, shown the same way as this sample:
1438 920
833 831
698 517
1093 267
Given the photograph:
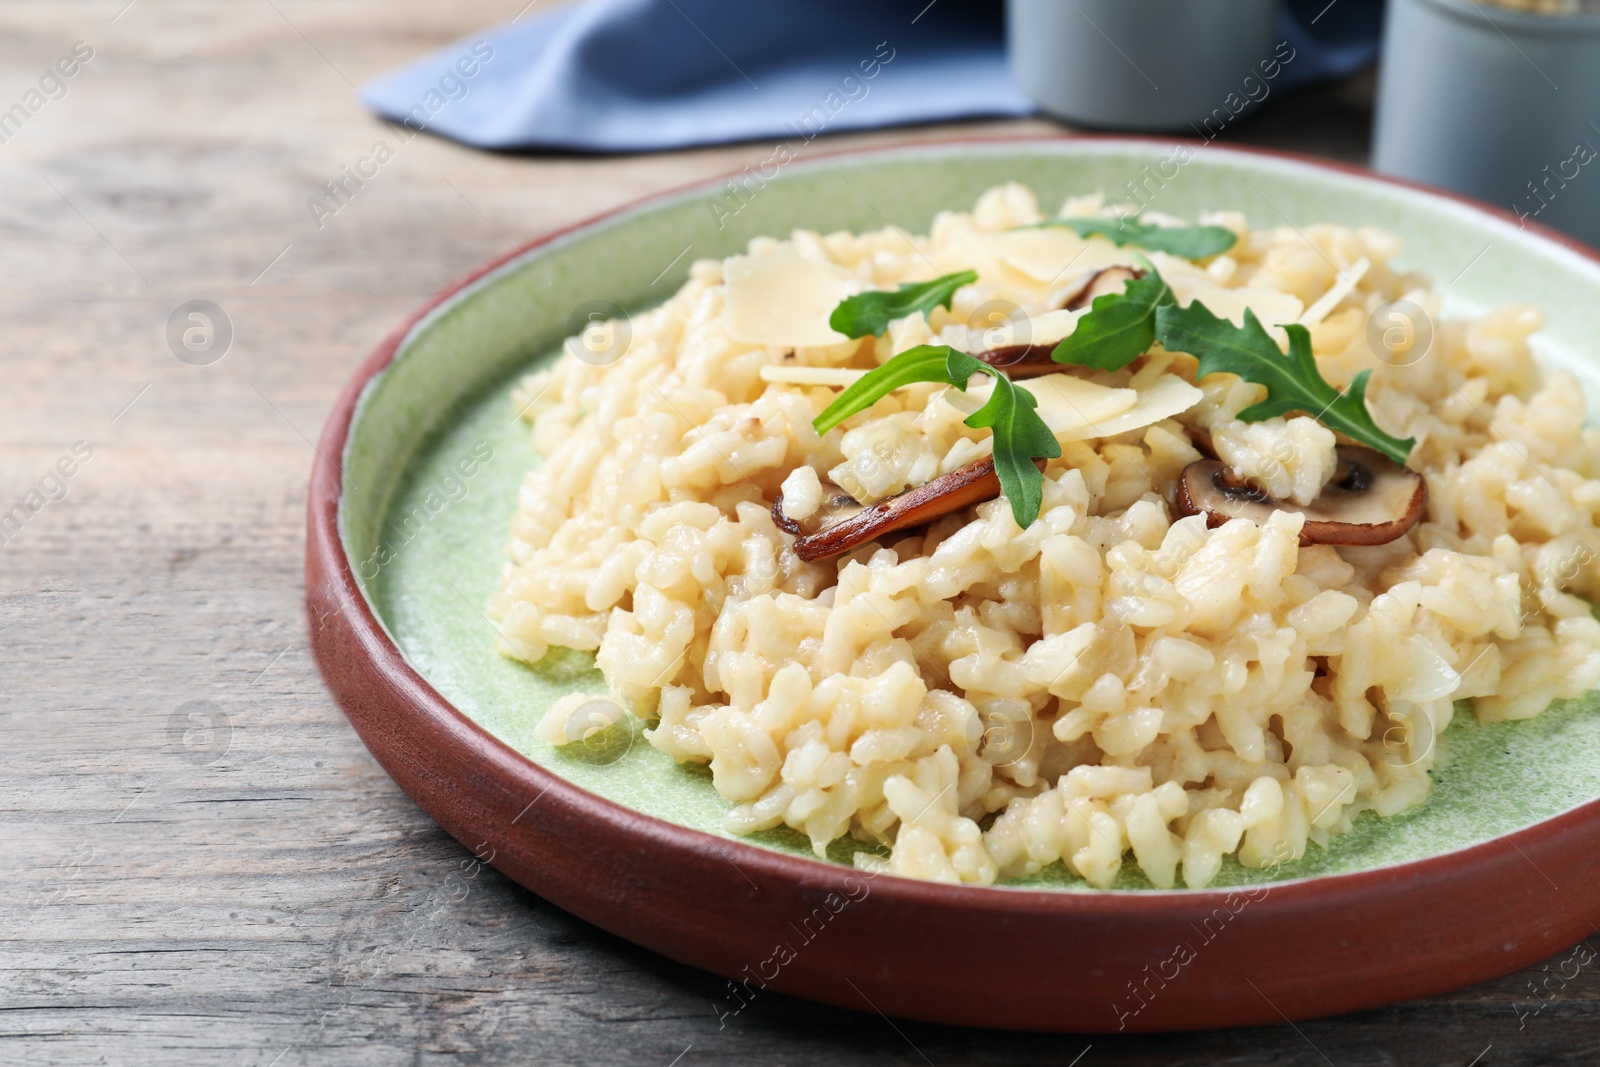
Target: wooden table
199 863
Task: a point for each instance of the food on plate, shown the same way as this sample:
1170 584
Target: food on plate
1093 537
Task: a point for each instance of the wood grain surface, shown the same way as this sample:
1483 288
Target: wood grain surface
199 863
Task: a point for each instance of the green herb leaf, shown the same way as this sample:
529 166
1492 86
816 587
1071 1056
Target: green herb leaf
1190 242
1020 435
924 363
1293 381
1119 328
872 311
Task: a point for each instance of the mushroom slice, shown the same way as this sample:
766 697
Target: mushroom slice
1021 361
1200 437
837 506
1030 361
1108 280
843 524
1371 500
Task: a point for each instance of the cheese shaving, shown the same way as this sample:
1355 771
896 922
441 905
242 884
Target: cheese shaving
1167 396
784 301
838 377
1342 287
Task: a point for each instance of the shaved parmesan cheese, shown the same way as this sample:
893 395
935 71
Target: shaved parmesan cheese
1046 329
1171 266
838 377
1167 396
1051 254
784 301
1342 286
1270 306
1067 404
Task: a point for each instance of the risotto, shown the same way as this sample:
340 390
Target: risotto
1204 636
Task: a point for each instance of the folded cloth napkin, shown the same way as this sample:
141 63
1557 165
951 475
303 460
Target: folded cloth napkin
644 75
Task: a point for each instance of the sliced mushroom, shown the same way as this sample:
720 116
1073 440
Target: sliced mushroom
1107 280
1021 361
843 524
837 506
1371 500
1200 437
1030 361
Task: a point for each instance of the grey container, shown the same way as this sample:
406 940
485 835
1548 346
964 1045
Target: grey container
1155 65
1500 105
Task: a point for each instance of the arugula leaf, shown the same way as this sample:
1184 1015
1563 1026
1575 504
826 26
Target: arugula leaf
1020 435
872 311
1119 328
1293 381
1189 242
924 363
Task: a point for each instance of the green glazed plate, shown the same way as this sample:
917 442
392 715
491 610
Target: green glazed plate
435 453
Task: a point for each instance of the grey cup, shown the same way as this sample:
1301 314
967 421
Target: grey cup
1500 105
1143 64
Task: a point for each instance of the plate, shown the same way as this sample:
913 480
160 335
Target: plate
409 502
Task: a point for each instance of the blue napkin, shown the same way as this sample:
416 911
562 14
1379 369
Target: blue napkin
645 75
